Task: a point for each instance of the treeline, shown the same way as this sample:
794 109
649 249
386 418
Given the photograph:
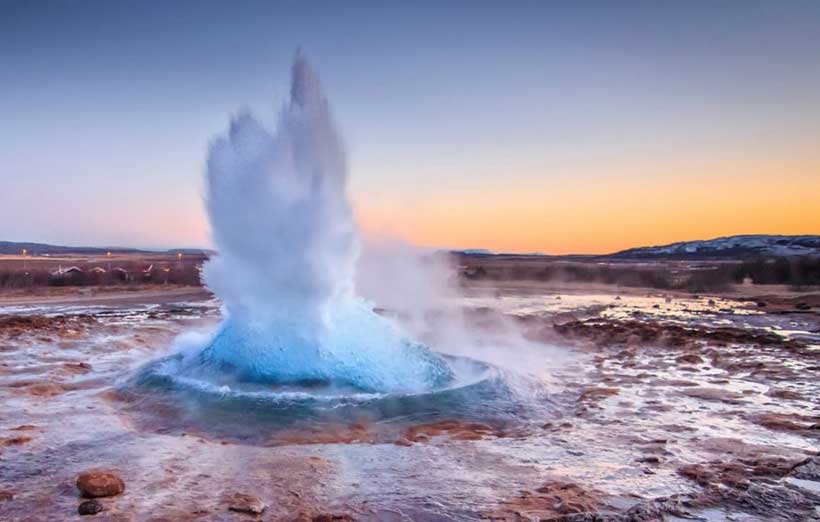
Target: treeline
795 272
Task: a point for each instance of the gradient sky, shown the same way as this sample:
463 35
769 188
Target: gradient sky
543 126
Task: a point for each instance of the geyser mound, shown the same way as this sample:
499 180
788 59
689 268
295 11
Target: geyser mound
287 241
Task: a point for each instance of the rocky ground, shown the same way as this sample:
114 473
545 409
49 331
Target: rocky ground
660 408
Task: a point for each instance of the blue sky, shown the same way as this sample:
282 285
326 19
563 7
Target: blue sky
456 115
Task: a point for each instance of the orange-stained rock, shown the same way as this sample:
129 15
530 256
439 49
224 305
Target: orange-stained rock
242 503
99 483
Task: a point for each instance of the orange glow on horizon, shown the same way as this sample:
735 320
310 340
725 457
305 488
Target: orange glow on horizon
603 215
577 210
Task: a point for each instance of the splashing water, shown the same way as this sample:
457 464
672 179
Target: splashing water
287 246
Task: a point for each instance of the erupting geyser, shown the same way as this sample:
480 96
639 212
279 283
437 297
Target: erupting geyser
287 243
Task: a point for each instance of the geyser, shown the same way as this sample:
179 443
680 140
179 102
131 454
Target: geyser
287 243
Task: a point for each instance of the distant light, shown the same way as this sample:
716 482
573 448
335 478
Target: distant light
25 251
108 254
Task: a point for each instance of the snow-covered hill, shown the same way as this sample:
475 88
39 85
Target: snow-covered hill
732 247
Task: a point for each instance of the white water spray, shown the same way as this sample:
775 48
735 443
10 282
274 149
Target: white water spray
287 243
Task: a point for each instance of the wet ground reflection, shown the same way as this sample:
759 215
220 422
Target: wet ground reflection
693 397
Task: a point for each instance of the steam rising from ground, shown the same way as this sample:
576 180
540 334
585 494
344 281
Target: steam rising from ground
288 243
421 289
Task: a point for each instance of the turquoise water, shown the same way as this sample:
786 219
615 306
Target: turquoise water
225 405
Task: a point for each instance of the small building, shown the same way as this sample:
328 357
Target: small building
121 274
62 272
72 275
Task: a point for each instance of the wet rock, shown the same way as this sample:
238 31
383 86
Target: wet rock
456 430
78 367
714 394
332 517
99 483
243 503
782 393
741 464
775 502
672 382
16 325
13 441
356 433
609 332
597 393
690 358
785 422
554 501
752 483
652 459
809 469
45 389
323 517
6 495
24 427
706 475
90 507
656 510
580 517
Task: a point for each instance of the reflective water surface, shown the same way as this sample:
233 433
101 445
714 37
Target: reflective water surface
618 416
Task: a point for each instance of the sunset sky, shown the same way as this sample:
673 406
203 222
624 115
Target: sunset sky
574 127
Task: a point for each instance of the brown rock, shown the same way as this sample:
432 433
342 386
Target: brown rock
11 441
456 430
555 500
24 427
45 389
99 483
652 459
596 393
690 358
332 517
78 367
782 393
784 422
242 503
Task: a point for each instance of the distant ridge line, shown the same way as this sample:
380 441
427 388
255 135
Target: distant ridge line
16 247
743 246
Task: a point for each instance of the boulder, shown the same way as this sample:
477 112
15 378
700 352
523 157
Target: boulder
242 503
90 507
99 483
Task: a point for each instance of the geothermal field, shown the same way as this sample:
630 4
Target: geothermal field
316 376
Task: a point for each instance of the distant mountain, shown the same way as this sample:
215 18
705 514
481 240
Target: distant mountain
732 247
475 252
16 247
